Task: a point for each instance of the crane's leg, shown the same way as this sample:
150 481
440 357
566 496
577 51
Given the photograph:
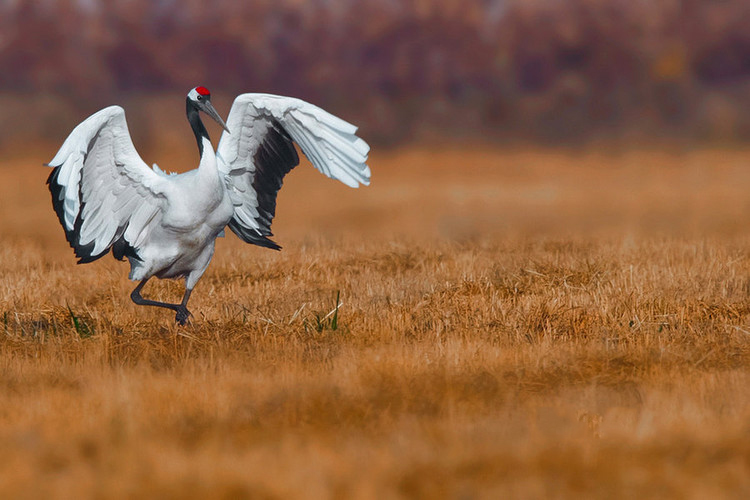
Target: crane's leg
182 312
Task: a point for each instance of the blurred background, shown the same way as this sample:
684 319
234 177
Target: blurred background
486 117
552 71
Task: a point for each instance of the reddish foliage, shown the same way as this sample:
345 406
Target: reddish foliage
554 70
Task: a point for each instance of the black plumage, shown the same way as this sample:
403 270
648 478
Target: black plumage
275 157
85 253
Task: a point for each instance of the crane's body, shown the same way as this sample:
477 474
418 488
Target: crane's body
108 199
182 244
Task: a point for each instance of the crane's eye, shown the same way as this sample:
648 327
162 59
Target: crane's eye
200 97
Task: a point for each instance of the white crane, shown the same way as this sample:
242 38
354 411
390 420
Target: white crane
107 198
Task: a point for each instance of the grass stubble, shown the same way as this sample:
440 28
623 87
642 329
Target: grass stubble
508 324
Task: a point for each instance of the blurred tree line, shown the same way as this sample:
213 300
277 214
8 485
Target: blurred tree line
553 70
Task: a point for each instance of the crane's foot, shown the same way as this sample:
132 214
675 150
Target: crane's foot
183 316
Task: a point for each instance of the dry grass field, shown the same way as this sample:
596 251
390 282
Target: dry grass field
512 324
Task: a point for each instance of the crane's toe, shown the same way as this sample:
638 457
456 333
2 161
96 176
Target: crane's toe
183 316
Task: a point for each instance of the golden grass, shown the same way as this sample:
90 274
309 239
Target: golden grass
513 324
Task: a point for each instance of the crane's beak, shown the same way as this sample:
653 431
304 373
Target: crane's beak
208 108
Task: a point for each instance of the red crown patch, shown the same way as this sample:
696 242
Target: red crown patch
202 90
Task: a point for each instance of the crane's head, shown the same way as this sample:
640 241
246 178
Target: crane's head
200 99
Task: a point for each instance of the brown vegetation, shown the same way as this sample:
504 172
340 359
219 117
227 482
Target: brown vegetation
512 324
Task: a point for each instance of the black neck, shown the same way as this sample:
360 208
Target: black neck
197 125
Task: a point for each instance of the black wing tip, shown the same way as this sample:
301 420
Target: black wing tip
55 189
263 241
253 237
83 252
275 158
120 248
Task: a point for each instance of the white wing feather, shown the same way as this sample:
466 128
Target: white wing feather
328 142
104 189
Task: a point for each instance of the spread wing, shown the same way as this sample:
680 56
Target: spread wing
104 194
258 152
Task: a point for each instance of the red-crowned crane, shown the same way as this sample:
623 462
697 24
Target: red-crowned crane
108 199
